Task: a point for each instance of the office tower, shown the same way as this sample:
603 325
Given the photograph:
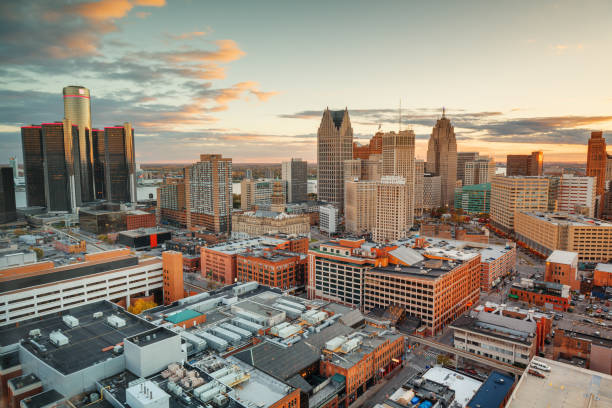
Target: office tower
398 160
77 109
462 158
363 169
33 166
278 199
257 194
119 164
14 166
419 172
99 163
392 209
209 193
576 195
60 155
525 164
442 158
432 191
596 165
373 147
247 194
359 206
249 173
474 199
8 210
479 171
295 172
334 146
510 194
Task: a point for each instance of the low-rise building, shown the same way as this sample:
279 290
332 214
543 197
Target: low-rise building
540 293
144 237
496 336
585 343
106 218
328 219
545 232
273 268
602 275
494 392
257 223
562 267
563 386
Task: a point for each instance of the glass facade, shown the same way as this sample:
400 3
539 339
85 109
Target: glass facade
31 143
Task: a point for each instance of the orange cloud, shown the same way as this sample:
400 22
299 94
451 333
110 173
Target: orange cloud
189 36
103 9
150 3
228 51
263 96
143 14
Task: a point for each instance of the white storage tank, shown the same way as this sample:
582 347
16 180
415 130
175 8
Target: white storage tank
70 321
334 343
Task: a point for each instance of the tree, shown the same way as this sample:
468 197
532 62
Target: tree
39 253
140 305
19 232
444 360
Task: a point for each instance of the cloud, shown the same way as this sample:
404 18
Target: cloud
143 14
102 9
263 96
150 3
191 35
227 51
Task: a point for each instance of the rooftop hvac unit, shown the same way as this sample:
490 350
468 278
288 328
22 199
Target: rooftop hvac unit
203 388
316 317
34 333
210 394
245 287
351 345
334 343
289 303
245 334
115 321
70 321
289 311
213 341
275 329
288 331
193 298
222 372
58 338
226 334
97 315
247 325
220 401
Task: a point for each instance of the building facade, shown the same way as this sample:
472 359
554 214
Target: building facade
119 164
257 223
8 210
479 171
576 195
596 165
462 158
172 269
474 199
393 218
547 232
277 269
328 219
512 194
442 158
295 172
525 164
432 192
334 146
360 206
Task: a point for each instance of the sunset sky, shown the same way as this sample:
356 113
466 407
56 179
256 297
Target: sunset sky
250 79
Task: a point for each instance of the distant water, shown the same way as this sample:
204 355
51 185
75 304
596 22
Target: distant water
144 191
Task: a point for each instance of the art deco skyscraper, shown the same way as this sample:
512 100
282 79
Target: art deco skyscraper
442 158
77 109
334 146
596 165
398 160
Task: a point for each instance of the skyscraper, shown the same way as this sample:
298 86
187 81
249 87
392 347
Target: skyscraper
479 171
462 158
398 160
295 172
419 175
99 163
525 164
596 165
33 166
334 146
442 158
119 163
8 211
209 193
77 109
392 209
511 194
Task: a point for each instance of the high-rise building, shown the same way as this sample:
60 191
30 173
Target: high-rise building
576 195
510 194
328 219
525 164
257 194
33 165
596 165
462 158
392 209
8 211
479 171
278 199
209 193
359 206
60 152
432 191
119 164
99 163
334 146
295 172
442 158
373 147
398 160
475 198
77 109
419 174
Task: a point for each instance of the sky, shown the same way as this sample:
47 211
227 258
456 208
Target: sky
250 79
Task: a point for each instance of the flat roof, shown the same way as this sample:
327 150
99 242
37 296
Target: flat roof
559 218
604 267
43 399
493 391
498 326
183 315
564 386
151 336
143 232
79 270
562 257
464 387
86 340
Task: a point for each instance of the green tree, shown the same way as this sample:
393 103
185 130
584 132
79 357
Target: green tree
39 252
443 359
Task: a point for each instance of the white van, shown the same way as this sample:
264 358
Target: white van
540 366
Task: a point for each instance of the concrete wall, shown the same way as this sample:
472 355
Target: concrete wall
152 358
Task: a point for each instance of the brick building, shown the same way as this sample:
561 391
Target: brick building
582 341
562 267
541 293
525 164
172 267
602 275
274 268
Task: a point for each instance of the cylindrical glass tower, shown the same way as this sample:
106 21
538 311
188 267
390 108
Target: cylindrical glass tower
77 109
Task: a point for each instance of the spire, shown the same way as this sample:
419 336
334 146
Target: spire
443 111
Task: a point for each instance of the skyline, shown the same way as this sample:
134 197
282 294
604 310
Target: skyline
242 80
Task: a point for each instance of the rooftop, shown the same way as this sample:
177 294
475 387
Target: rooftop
568 219
493 391
602 267
464 387
151 336
499 326
143 232
236 247
86 341
565 386
43 399
563 257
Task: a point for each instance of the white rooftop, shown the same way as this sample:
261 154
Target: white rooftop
565 386
563 257
464 387
407 255
604 267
